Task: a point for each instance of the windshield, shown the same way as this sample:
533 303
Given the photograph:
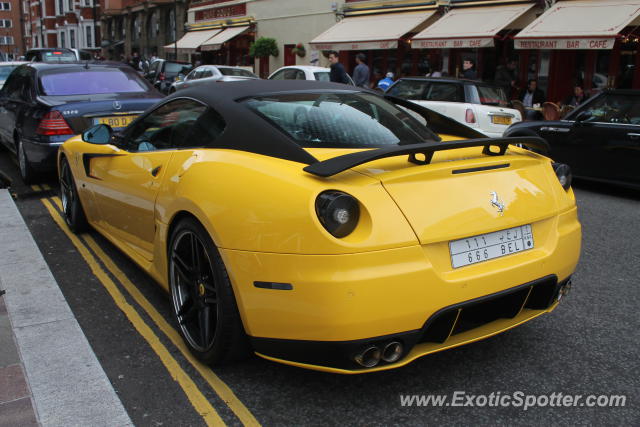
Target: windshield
492 95
175 68
86 82
59 56
5 70
342 120
322 76
236 72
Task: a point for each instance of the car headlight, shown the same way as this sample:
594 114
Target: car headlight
338 212
563 172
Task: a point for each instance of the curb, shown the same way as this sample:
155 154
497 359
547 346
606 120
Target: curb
67 383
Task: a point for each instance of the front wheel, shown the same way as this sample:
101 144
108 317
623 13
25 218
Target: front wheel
203 301
71 205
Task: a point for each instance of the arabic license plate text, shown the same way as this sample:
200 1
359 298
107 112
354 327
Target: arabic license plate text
472 250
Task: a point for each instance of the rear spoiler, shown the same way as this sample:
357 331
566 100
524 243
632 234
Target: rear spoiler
339 164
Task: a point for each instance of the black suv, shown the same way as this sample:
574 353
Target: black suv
163 73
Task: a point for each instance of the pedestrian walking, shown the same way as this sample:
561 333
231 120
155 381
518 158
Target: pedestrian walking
337 74
361 74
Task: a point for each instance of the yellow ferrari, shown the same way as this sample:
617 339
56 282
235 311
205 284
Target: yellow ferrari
325 226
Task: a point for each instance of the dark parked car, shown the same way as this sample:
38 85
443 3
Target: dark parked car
163 73
47 54
600 139
42 105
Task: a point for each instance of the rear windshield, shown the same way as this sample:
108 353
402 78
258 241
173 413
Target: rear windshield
427 91
236 72
175 68
491 95
86 82
5 70
322 76
351 120
59 56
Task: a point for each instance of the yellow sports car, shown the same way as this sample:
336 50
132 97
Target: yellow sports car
325 226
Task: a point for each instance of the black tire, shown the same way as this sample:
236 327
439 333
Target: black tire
71 203
27 173
202 296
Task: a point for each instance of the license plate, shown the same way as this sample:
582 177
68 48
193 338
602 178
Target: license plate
501 120
472 250
115 121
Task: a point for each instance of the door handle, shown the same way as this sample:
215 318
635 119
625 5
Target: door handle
155 170
633 135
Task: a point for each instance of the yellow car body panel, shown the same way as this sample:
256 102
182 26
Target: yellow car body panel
389 276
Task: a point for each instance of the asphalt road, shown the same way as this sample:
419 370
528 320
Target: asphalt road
588 346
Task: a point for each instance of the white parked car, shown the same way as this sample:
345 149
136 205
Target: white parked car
207 73
476 104
6 68
303 72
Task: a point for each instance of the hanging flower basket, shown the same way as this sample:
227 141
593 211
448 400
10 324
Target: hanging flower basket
300 50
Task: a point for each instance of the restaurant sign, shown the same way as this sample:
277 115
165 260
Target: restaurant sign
452 43
573 43
221 12
386 44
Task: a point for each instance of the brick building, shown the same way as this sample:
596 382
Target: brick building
142 26
61 23
10 32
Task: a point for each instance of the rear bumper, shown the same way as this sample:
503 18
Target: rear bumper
42 155
337 303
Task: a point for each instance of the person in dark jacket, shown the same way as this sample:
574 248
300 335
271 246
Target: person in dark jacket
469 69
507 78
337 74
578 97
532 95
361 74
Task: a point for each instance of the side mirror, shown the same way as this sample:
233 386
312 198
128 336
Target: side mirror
99 134
583 116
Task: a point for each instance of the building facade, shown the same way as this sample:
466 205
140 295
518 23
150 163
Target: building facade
61 23
143 27
11 41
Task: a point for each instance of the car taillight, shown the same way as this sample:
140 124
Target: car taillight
338 212
161 77
54 124
469 117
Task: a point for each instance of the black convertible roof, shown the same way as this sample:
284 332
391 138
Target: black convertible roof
247 131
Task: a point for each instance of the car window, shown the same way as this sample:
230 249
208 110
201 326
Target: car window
175 68
153 68
440 91
5 70
612 108
492 95
177 124
59 56
300 75
290 74
18 83
278 76
207 73
322 76
340 120
81 81
410 89
236 72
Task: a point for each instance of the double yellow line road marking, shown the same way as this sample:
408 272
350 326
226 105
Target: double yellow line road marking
85 246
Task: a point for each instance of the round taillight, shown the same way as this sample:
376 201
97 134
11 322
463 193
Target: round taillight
563 172
338 212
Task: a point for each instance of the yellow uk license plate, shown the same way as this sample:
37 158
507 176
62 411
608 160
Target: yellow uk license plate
115 121
501 120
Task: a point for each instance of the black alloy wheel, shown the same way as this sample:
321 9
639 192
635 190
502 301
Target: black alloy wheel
71 205
203 299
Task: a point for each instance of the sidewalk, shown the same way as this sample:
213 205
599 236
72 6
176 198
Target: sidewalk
49 374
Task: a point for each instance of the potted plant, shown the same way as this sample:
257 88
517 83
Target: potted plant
264 47
300 50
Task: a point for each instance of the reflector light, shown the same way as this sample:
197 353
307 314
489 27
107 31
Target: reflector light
53 124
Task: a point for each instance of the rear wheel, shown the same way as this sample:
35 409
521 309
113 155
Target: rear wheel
71 205
203 299
26 170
